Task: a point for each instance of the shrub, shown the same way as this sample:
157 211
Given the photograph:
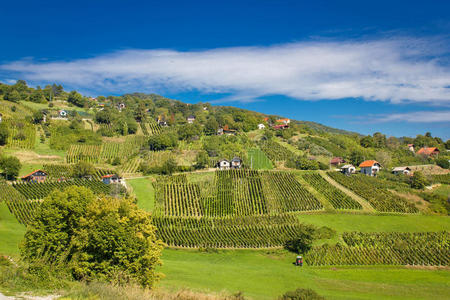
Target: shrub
418 180
301 294
443 163
92 238
302 243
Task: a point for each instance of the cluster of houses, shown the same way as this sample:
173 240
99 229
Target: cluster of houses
39 176
279 124
367 167
425 151
225 164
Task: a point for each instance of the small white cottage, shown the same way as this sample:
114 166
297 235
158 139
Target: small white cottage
370 167
190 119
261 126
223 164
401 170
348 169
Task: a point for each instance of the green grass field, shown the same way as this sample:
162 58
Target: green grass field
145 194
259 160
11 232
266 275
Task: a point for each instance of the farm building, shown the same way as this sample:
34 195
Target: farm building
236 163
284 121
223 164
111 178
281 126
401 170
348 169
226 130
337 161
35 176
190 119
370 167
428 151
62 113
411 148
261 126
120 106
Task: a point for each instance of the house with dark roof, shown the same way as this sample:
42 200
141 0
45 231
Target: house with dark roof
236 163
370 167
111 178
190 119
428 151
337 161
35 176
401 170
348 169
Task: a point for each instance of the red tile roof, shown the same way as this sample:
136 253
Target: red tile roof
33 173
337 160
428 150
368 163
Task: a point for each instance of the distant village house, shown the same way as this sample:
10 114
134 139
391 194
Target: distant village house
190 119
337 161
428 151
111 178
236 163
411 148
401 170
348 169
35 176
370 167
261 126
223 164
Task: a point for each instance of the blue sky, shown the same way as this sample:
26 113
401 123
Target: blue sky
379 66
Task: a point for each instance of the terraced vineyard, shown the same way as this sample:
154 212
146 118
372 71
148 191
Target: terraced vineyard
234 193
275 151
337 198
424 248
36 191
228 232
150 127
381 199
22 134
106 151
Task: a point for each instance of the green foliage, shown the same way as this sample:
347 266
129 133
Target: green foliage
105 239
301 294
211 126
443 163
302 242
302 163
76 98
10 166
83 169
201 160
163 141
4 134
438 203
62 136
418 180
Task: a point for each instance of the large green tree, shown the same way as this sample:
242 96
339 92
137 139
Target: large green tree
10 166
93 238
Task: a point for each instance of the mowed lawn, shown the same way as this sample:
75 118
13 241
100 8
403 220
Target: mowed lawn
144 191
268 274
11 232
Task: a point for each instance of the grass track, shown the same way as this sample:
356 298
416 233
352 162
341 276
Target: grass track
266 275
145 194
11 232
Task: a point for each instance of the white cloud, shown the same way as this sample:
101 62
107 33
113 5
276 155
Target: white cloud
387 69
411 117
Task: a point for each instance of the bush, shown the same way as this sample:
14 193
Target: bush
301 294
302 243
92 238
10 166
443 163
418 181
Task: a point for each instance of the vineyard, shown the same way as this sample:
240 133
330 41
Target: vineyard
33 191
233 193
228 232
17 204
22 134
257 160
381 199
150 128
337 198
56 172
275 151
442 178
106 151
424 248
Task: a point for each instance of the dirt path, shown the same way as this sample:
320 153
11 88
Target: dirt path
28 297
366 206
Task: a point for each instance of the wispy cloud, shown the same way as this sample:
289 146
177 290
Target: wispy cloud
395 70
409 117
